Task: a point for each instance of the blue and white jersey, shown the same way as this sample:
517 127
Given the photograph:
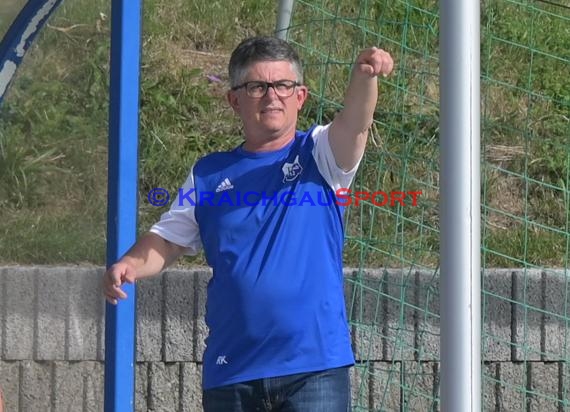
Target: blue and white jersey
273 234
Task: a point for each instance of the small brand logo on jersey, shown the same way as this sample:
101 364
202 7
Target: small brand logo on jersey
291 171
225 185
221 360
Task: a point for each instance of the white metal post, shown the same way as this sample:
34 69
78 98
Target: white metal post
284 18
460 206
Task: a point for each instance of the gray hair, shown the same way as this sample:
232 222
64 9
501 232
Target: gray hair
260 49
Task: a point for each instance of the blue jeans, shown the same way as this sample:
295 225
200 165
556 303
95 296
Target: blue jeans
324 391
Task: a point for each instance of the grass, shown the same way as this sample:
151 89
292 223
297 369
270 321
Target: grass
53 129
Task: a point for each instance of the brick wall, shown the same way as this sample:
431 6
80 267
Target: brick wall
52 338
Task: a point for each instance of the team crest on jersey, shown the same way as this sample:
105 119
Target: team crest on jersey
291 171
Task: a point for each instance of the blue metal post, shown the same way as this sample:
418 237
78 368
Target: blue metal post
120 331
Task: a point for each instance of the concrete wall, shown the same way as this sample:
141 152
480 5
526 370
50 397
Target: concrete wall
52 339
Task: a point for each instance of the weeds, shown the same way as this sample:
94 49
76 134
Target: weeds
53 130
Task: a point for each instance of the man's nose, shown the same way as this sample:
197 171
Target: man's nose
271 89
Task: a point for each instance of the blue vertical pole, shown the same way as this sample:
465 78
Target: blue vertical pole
120 332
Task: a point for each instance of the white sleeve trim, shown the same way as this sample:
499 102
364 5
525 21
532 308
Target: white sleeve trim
335 176
179 225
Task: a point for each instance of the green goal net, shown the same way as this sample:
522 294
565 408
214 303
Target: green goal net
525 165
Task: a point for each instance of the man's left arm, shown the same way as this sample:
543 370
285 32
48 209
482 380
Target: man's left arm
349 130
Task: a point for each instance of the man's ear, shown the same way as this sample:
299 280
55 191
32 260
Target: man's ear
233 100
302 94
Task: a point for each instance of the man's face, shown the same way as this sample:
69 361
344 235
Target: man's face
271 116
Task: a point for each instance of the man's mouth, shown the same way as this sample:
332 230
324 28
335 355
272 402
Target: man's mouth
272 110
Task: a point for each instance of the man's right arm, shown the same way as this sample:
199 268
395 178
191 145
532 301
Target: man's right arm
149 256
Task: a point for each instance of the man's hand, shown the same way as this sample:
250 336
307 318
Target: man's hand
374 62
349 130
147 257
116 276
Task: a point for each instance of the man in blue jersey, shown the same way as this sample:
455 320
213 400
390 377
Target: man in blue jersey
278 332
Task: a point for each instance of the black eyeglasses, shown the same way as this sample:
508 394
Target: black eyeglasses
258 89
